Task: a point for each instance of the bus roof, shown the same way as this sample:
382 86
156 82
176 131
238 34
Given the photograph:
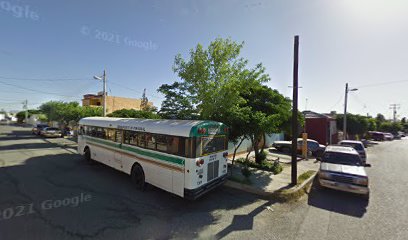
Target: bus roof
183 128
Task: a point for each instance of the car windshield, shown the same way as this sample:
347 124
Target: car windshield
341 158
357 146
52 129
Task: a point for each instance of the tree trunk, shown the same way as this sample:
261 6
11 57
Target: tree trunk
255 144
235 150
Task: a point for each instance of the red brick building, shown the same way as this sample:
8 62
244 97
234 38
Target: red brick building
321 127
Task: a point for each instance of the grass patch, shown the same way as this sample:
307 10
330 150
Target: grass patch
274 167
304 176
246 181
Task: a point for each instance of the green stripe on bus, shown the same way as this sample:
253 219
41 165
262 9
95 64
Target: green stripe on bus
170 159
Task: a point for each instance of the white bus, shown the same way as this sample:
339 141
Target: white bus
184 157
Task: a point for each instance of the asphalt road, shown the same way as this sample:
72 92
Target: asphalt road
48 192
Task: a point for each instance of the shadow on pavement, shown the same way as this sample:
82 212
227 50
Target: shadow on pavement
115 206
337 201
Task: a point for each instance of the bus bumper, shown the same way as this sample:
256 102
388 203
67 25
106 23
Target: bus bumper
193 194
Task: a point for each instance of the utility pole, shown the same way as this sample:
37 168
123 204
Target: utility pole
295 109
345 110
25 106
394 108
103 78
104 93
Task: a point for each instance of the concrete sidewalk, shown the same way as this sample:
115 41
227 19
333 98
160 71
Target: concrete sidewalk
265 183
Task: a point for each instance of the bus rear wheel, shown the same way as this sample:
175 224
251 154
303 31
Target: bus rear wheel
138 177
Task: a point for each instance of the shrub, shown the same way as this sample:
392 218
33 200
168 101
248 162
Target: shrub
261 156
246 172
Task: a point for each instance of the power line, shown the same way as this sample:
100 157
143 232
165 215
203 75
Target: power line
381 83
141 92
46 79
37 91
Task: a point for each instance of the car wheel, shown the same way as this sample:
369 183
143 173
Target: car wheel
138 177
87 155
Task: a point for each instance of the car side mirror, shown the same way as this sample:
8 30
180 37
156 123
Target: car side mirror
367 165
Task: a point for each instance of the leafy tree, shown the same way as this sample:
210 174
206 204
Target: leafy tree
356 124
392 127
178 102
380 119
267 110
132 113
372 124
144 104
21 115
216 76
65 112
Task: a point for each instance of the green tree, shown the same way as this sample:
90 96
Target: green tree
64 112
132 113
178 102
356 124
216 76
218 84
21 115
392 127
268 111
379 119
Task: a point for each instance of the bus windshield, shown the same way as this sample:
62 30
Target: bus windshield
213 144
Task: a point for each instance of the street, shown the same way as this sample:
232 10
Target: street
48 192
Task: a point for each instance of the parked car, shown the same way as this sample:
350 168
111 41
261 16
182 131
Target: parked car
313 146
51 132
358 146
37 129
341 168
377 136
389 136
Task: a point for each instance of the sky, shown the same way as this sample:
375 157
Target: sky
49 50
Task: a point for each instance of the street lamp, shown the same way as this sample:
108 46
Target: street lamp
345 110
103 78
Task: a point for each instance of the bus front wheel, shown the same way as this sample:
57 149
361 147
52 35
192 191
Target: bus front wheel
138 177
87 155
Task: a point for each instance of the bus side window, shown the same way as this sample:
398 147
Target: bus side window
162 143
100 133
141 140
118 136
126 137
151 141
110 134
172 145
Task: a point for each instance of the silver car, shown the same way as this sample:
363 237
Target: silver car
341 168
51 132
358 146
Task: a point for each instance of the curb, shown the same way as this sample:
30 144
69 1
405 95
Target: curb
282 195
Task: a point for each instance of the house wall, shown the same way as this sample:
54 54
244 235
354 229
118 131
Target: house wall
317 129
114 103
247 145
